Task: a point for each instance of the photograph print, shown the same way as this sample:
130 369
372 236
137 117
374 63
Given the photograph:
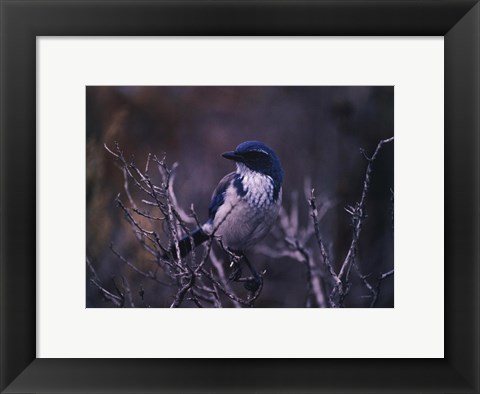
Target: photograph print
239 196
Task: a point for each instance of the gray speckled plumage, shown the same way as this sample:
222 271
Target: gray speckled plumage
243 220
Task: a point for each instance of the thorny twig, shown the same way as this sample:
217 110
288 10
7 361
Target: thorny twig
323 249
158 228
121 299
329 287
291 242
342 286
199 278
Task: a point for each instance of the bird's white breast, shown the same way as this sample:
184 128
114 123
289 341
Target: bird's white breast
258 187
242 221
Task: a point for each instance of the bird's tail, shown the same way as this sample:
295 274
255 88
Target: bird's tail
185 244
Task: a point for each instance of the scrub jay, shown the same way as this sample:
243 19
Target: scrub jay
245 203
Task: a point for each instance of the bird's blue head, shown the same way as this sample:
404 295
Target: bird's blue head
258 157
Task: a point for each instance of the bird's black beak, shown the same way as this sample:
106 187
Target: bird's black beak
232 156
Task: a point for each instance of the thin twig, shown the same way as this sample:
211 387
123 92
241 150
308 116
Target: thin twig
358 215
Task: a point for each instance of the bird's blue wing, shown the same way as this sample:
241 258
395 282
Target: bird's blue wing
218 196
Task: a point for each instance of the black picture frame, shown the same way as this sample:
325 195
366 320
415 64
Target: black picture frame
22 21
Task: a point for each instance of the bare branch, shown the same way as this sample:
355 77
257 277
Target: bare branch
358 215
323 249
217 264
200 277
116 300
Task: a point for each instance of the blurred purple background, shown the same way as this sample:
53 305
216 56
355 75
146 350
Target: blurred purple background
316 131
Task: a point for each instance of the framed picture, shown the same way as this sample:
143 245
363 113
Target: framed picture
312 123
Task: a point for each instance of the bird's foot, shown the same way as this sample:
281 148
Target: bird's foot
251 283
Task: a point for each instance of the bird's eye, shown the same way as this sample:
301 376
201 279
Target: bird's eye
255 155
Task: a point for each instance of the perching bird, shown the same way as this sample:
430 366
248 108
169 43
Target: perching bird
245 203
